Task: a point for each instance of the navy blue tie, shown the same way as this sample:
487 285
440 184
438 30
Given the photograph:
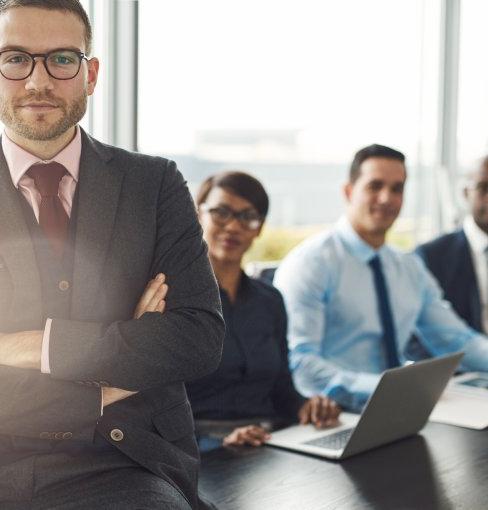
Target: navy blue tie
389 334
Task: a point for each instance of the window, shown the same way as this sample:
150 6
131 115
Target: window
473 85
288 90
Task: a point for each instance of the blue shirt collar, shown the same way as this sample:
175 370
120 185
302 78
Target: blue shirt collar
355 244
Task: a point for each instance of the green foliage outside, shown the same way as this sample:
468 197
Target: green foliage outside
404 240
275 242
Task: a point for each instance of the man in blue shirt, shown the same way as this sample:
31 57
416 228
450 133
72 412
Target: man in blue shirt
353 302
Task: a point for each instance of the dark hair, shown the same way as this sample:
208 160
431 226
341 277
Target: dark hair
73 6
372 151
238 183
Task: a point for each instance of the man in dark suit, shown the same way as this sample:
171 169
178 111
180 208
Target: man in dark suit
93 411
459 260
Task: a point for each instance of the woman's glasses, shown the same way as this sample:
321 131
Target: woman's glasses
222 215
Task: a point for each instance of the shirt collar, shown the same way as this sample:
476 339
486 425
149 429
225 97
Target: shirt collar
478 240
244 289
355 244
19 160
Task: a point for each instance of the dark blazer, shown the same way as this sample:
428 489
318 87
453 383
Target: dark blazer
449 259
135 218
253 378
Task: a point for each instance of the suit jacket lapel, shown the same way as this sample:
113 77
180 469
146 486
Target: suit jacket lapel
466 271
98 194
17 251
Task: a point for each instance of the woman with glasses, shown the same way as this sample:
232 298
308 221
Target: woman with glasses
252 389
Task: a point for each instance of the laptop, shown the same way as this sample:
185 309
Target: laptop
399 407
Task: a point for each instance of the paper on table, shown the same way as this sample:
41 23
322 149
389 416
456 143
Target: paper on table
462 406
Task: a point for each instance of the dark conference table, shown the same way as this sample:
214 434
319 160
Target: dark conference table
443 467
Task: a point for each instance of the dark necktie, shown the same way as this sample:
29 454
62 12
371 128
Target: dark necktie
53 219
389 334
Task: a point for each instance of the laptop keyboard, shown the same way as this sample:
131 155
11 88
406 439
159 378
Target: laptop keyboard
336 441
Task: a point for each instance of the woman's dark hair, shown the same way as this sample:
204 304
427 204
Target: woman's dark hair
238 183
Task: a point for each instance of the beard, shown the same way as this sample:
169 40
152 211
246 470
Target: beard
38 128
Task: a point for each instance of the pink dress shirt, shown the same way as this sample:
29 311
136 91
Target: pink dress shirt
19 161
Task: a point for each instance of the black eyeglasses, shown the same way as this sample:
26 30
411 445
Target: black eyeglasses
222 215
60 64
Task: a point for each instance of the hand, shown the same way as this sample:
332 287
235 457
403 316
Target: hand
153 297
319 410
112 395
252 435
21 349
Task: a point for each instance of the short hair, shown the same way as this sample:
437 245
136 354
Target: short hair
372 151
238 183
73 6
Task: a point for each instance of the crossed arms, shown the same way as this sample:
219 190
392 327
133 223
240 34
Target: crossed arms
149 350
23 349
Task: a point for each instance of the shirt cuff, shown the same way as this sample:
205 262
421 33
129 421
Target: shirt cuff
45 368
352 390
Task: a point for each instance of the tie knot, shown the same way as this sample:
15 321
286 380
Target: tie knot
47 177
375 262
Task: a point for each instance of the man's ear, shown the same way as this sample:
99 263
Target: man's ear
93 66
347 190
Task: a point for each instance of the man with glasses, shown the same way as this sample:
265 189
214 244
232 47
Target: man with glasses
93 411
459 260
353 302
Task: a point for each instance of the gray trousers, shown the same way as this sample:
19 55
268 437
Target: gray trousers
105 480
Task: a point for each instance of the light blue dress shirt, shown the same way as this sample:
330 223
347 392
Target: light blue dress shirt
334 328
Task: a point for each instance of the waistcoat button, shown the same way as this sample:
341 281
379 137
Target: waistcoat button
63 285
116 435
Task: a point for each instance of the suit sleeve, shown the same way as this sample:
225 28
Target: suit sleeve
442 331
58 406
182 344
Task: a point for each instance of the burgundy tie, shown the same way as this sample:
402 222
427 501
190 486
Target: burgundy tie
52 216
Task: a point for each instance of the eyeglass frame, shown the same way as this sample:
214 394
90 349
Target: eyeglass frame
81 55
238 215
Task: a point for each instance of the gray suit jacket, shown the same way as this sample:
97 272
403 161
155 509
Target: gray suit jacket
135 218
